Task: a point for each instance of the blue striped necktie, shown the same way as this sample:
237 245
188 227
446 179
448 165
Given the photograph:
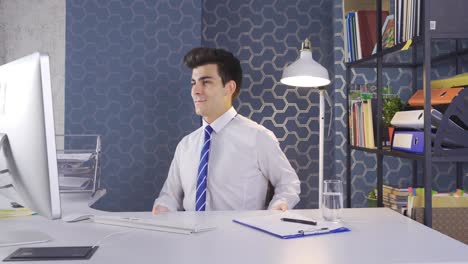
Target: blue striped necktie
200 199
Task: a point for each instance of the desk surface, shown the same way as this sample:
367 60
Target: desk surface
378 235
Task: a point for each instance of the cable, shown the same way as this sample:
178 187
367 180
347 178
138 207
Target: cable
115 233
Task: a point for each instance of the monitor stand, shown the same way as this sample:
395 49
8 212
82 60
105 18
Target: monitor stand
14 237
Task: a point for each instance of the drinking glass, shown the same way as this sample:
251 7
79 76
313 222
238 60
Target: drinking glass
332 200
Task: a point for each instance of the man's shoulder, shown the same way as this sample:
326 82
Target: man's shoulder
246 123
251 126
190 138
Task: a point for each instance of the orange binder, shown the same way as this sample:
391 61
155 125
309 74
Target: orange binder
438 96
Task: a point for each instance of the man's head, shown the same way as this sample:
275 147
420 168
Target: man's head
216 80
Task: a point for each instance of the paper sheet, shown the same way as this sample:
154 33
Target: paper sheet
272 224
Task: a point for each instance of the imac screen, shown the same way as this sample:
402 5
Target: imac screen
27 134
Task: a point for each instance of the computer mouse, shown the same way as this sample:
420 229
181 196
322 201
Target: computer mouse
72 218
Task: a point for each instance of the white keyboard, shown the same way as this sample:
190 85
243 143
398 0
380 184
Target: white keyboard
152 224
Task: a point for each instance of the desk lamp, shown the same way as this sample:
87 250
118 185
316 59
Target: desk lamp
306 72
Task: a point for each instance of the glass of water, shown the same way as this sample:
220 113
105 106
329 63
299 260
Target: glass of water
332 200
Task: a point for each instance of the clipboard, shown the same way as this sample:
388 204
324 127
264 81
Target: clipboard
273 225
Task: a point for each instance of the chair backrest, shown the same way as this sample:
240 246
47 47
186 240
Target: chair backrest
269 194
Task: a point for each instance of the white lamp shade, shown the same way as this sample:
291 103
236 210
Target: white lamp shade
305 72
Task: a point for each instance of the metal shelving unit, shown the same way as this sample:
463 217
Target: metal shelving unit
422 43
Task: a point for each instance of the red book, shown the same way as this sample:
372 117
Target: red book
367 20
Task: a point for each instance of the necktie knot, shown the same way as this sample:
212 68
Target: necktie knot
208 131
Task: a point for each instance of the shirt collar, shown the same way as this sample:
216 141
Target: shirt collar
222 121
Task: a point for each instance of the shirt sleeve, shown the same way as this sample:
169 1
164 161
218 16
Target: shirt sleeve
276 168
171 194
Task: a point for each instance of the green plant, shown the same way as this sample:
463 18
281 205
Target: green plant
372 199
391 105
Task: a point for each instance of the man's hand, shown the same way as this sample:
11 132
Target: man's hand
280 206
159 209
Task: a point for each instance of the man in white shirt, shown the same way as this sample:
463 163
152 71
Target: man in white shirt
243 155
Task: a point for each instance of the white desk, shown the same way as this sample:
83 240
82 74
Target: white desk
378 235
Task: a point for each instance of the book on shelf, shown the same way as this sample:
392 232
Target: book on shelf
368 123
362 113
361 33
352 36
407 20
394 206
400 202
358 40
367 30
387 189
395 197
388 34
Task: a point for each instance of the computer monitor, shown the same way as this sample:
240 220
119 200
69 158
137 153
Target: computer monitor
27 134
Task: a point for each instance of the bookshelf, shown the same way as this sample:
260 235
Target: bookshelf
450 20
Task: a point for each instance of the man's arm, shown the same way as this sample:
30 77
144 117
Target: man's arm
276 167
170 197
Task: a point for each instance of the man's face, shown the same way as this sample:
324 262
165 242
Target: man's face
210 97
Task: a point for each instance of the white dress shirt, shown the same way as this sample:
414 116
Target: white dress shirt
244 156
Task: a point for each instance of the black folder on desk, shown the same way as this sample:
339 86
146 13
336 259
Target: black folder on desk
272 224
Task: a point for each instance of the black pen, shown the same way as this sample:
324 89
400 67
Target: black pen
299 221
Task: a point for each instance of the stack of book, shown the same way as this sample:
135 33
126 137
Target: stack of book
395 198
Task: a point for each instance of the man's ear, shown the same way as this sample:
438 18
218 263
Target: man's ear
230 88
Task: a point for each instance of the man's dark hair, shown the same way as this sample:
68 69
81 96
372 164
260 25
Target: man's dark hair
229 67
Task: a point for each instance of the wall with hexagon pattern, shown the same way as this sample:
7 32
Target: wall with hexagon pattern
125 80
265 36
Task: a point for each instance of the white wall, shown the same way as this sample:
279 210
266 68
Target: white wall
27 26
